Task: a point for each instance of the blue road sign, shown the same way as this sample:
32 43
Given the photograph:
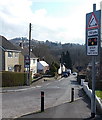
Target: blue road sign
26 61
93 25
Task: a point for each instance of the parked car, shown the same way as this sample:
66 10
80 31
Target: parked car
68 71
74 73
64 74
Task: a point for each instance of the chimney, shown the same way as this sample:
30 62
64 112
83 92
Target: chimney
21 44
38 60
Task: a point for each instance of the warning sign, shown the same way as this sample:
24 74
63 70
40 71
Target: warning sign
93 23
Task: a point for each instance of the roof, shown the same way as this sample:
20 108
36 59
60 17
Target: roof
7 45
43 63
25 51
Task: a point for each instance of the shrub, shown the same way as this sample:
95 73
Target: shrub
53 68
13 79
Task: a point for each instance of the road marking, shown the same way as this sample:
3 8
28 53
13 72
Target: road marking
38 86
47 83
17 90
54 87
60 80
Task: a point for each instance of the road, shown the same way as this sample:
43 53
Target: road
15 104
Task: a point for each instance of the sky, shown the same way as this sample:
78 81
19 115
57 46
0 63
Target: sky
54 20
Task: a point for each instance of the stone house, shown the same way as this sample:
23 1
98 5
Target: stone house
9 56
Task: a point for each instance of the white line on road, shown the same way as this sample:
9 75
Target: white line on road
17 90
38 86
47 83
60 80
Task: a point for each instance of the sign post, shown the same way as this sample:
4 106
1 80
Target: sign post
93 21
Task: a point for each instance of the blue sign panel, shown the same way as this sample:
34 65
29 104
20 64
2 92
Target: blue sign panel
93 25
26 61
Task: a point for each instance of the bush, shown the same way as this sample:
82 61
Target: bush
53 68
13 79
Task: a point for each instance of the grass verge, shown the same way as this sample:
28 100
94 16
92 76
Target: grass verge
99 94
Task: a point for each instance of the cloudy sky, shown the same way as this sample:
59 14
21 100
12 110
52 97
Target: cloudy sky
54 20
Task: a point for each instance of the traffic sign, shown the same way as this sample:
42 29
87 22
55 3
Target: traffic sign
26 61
93 32
93 23
92 45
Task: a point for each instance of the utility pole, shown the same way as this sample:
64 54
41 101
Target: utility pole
29 52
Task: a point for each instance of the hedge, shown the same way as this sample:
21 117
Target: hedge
13 79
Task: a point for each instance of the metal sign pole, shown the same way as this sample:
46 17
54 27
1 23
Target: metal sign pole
93 102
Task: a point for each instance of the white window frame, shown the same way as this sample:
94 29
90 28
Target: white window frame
16 55
34 61
9 54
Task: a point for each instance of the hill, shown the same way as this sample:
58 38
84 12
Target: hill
51 51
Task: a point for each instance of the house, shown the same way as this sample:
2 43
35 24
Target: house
33 59
61 69
10 56
42 67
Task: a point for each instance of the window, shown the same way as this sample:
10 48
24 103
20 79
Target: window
33 61
10 54
34 71
10 68
16 54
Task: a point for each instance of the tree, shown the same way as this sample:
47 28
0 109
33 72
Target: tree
54 68
66 60
42 51
63 58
